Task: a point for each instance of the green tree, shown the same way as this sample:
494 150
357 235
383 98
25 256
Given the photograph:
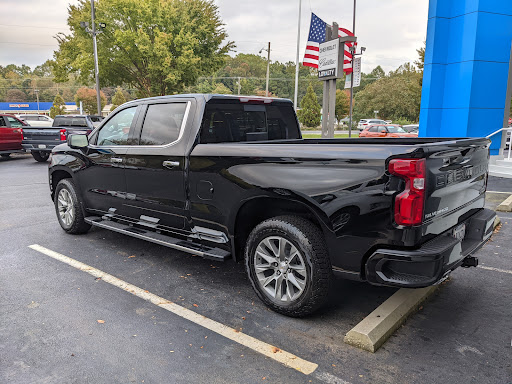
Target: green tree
309 114
420 63
58 106
159 47
342 104
118 99
396 96
88 98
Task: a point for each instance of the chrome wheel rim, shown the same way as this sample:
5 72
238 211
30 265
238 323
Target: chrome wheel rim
280 269
65 207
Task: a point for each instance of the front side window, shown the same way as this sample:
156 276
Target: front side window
117 129
162 123
2 122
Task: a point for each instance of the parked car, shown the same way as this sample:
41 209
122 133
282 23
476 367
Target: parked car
411 128
389 130
363 123
230 177
40 120
41 140
10 135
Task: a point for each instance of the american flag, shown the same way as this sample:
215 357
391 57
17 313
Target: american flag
316 36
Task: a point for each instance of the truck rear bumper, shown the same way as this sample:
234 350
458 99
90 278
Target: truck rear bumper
434 260
36 147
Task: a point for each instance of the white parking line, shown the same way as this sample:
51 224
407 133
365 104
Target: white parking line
265 349
495 269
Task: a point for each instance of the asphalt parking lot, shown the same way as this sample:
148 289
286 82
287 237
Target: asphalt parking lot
60 324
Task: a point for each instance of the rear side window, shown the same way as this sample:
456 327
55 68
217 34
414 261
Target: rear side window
224 123
162 123
15 123
2 122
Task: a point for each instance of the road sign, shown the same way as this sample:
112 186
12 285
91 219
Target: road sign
357 74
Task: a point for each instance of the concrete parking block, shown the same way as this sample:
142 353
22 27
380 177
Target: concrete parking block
379 325
505 206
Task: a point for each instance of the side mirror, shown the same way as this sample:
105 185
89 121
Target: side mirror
78 141
383 131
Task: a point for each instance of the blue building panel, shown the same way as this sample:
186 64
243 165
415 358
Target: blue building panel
466 68
28 106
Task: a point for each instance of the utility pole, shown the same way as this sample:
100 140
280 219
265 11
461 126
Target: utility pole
352 74
36 91
94 32
96 70
295 96
268 66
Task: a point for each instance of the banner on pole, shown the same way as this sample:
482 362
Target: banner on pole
357 74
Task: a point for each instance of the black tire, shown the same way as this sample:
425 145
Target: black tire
76 224
6 155
307 238
40 156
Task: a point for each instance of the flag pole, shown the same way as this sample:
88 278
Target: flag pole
352 74
297 61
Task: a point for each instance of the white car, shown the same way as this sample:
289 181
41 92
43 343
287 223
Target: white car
37 120
363 123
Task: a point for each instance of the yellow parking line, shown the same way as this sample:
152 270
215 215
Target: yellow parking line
495 269
259 346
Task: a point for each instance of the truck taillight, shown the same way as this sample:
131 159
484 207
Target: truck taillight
409 204
63 135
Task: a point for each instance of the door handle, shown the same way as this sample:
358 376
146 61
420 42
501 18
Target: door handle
116 160
170 164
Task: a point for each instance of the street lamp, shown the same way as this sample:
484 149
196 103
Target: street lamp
94 32
36 91
268 66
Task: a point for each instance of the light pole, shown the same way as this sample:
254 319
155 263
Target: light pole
296 93
352 74
268 66
36 91
94 32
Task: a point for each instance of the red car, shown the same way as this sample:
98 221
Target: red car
11 135
388 130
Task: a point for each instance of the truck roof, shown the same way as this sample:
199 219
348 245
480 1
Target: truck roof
209 96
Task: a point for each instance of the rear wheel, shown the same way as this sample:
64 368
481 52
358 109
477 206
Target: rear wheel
6 155
40 156
68 206
288 265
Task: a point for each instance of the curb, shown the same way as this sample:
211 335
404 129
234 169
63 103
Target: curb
505 206
379 325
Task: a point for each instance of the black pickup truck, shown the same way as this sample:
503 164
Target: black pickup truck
230 177
40 141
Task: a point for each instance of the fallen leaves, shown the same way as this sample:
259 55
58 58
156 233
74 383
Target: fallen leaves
101 321
275 350
195 305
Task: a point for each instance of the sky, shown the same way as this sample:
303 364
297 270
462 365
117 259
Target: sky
390 30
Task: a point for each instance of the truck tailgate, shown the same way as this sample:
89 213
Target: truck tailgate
456 181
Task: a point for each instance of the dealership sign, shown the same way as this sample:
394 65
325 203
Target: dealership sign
329 60
18 105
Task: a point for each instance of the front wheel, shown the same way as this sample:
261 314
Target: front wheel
288 265
40 156
68 208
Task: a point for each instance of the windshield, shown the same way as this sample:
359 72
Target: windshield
395 129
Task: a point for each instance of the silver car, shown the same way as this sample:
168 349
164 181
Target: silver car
363 123
37 120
